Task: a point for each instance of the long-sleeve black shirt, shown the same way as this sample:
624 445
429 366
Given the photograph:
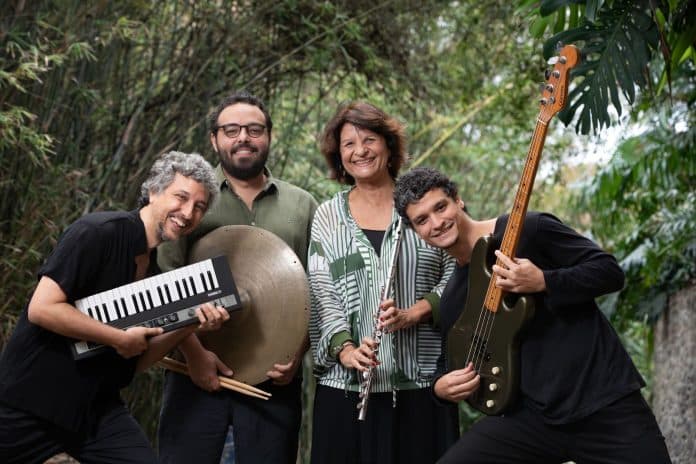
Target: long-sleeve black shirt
572 362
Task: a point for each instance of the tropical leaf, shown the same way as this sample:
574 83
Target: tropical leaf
592 9
616 51
648 207
548 7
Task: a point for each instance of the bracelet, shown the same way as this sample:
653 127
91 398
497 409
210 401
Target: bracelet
336 352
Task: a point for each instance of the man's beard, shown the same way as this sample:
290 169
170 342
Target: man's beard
160 233
248 171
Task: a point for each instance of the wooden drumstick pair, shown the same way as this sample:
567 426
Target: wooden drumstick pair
225 382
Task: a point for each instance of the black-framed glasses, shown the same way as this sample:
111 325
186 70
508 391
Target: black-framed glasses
233 130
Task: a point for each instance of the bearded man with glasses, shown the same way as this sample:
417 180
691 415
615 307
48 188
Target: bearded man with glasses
196 413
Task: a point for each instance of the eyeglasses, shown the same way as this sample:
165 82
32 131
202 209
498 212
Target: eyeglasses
233 130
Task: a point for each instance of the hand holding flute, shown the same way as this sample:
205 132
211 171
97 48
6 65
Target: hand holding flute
370 345
361 357
391 319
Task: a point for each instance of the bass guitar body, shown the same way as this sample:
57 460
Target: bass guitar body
489 340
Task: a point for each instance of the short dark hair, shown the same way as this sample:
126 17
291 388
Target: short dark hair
241 96
413 185
365 116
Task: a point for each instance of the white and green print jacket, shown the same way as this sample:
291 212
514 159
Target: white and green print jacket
346 278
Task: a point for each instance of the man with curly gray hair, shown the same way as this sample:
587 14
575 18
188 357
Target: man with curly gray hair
51 403
193 166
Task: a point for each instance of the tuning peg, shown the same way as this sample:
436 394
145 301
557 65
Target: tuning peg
553 60
559 46
543 101
547 74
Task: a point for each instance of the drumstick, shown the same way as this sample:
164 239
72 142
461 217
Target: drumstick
225 382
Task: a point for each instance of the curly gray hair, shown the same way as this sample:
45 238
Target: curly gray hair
191 165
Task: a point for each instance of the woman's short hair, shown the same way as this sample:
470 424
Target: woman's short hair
365 116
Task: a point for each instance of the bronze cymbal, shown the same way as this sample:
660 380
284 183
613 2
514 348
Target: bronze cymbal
273 287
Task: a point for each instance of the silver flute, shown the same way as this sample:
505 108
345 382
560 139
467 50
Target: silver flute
367 376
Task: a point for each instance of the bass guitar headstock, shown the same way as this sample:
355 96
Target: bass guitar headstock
555 90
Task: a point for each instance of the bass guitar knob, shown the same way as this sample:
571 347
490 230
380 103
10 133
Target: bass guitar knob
495 370
493 387
490 404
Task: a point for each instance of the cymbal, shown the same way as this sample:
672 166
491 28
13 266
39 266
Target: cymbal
273 287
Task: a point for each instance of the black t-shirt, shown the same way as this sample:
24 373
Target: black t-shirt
37 371
572 362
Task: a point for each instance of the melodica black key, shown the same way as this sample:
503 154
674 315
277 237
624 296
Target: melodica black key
168 300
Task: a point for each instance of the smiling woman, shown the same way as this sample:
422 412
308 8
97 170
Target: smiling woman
354 236
360 115
364 154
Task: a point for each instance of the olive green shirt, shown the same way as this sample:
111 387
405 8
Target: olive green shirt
281 208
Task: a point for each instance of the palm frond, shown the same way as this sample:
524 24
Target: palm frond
616 51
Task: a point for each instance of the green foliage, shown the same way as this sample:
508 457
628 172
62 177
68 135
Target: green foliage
648 202
26 57
616 52
618 40
616 48
679 30
92 92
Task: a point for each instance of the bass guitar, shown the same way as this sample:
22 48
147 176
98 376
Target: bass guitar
487 332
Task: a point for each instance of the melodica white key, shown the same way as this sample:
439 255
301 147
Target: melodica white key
168 300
